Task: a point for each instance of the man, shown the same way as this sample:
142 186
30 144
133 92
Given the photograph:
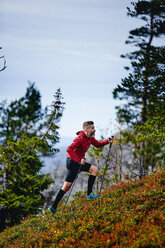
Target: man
76 161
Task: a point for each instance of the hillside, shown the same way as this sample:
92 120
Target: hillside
126 215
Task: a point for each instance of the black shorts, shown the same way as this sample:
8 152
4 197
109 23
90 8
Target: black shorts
73 169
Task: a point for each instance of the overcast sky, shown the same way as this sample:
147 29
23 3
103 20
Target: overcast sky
71 44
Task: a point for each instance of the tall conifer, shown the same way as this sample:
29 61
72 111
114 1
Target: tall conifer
143 89
21 183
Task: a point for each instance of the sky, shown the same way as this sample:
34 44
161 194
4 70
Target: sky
74 45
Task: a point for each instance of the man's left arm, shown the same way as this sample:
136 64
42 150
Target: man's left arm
97 143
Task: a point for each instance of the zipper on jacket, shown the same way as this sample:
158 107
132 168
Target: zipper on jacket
88 143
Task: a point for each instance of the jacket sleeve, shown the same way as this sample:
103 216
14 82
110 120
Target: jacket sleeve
97 143
71 149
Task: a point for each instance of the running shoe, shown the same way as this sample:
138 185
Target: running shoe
92 196
52 210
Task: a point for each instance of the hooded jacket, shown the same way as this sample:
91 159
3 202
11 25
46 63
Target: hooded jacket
81 144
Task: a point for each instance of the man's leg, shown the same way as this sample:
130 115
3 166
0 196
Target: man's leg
70 177
93 173
61 193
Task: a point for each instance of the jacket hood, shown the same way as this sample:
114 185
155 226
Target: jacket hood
80 132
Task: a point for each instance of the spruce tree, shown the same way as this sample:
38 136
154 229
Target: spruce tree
23 195
143 89
21 116
22 164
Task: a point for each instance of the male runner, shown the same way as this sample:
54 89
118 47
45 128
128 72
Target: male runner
76 161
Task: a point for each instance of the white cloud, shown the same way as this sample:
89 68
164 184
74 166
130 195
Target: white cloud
52 44
40 8
82 10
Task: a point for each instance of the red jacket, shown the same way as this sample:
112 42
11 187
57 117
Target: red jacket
81 144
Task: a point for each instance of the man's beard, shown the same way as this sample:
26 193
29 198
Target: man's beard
92 135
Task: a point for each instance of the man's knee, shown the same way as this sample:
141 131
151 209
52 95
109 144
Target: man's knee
66 186
93 170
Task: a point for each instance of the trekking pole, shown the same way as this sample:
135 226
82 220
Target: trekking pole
106 165
72 186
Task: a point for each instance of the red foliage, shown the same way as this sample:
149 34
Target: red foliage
126 215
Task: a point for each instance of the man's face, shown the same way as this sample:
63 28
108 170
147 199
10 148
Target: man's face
91 131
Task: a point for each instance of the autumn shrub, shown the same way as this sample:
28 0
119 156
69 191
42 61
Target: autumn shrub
126 215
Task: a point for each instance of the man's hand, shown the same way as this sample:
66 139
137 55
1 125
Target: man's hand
82 161
111 140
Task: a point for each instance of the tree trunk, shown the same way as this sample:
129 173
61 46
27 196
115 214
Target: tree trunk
5 178
144 160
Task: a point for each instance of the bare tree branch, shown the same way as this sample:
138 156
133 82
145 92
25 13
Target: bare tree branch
131 171
4 62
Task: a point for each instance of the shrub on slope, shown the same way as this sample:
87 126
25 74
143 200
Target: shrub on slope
126 215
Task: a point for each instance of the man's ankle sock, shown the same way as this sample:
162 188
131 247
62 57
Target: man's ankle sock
59 196
91 181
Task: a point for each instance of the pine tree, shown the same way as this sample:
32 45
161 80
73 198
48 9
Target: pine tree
21 116
21 159
23 195
18 118
143 90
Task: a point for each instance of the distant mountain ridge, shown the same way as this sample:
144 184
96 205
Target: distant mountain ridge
59 158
